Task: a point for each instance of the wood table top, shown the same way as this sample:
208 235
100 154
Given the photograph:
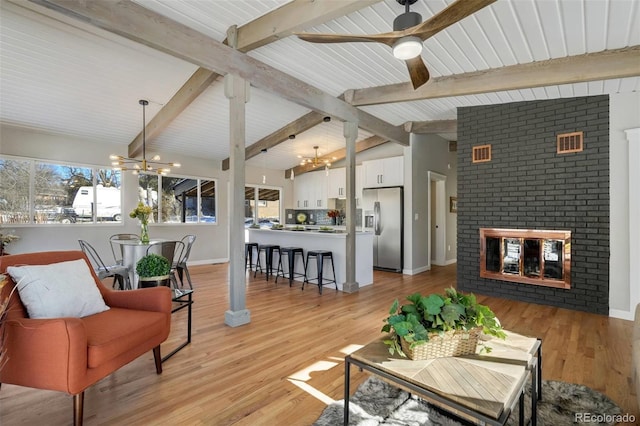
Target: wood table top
487 383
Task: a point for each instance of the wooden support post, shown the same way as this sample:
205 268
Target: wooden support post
236 90
351 134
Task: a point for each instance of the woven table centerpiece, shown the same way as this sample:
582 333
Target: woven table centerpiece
450 343
437 325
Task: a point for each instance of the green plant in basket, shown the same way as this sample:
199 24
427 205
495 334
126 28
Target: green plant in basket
153 265
435 314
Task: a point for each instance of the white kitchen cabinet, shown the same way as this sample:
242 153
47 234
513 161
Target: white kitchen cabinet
383 172
318 193
337 183
310 190
300 192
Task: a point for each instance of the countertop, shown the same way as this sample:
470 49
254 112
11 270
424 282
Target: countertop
308 230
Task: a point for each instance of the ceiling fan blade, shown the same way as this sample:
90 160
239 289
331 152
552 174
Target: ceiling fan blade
453 13
417 71
385 38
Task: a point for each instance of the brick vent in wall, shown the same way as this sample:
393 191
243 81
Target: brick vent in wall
528 185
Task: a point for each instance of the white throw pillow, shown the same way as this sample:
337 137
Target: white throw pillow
58 290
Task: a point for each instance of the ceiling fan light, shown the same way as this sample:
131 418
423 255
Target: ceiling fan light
407 47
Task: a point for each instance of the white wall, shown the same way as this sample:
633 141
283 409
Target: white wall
426 153
624 114
212 243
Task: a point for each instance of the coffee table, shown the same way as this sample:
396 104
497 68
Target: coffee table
481 387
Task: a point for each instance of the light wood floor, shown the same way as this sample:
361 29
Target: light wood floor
287 364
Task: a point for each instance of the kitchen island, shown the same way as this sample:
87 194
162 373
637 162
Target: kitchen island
317 240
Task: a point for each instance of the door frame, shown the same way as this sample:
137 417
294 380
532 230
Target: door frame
439 257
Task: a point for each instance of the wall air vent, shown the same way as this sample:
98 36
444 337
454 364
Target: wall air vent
453 146
569 142
481 154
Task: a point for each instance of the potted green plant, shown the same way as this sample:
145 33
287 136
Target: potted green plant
439 325
153 270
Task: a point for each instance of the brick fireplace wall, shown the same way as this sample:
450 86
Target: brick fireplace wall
527 185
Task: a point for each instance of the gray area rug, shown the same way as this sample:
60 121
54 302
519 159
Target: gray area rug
376 403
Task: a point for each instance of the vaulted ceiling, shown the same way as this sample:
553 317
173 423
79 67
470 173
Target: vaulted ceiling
67 76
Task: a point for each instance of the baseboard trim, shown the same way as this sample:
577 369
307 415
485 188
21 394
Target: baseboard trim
451 261
625 315
416 271
207 261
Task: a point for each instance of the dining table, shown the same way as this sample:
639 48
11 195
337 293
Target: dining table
132 252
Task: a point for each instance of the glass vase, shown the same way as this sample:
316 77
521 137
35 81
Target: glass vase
144 233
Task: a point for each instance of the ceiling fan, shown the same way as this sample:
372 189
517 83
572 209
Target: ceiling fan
409 32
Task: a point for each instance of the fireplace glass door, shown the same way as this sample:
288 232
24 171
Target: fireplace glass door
527 256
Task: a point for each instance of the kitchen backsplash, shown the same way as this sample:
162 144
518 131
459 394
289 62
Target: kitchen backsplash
317 217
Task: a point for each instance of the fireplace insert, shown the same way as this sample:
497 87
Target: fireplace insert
539 257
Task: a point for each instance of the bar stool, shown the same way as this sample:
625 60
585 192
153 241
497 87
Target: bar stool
269 249
290 254
248 256
320 256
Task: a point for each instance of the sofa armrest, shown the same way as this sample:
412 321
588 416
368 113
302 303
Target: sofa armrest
45 353
157 299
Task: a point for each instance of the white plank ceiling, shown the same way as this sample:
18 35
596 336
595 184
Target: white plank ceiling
67 77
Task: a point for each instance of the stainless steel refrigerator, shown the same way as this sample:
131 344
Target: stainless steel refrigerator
383 215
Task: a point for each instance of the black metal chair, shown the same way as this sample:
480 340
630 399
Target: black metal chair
269 250
119 273
248 256
117 252
180 266
320 256
289 253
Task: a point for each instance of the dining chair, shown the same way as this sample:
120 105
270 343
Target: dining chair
117 251
180 265
171 250
119 273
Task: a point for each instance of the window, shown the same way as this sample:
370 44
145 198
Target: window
15 202
262 206
182 200
34 191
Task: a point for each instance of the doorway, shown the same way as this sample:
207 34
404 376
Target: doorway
437 205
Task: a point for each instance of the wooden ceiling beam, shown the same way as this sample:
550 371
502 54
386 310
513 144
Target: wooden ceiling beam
300 125
293 17
337 155
197 83
430 127
282 22
609 64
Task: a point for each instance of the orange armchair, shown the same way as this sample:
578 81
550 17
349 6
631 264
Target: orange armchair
71 354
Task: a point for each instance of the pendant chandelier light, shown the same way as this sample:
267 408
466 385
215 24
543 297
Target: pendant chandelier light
314 161
142 165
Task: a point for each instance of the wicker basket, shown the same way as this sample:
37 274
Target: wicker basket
451 343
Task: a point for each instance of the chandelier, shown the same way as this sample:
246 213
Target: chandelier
142 165
314 161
